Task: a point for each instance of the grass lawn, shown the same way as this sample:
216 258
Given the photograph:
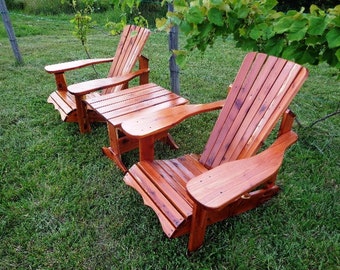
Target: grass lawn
63 205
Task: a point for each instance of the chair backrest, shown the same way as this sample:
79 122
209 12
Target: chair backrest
129 49
261 93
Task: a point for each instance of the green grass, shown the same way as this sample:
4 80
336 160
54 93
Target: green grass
63 205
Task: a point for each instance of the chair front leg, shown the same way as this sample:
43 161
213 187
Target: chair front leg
60 81
198 228
83 121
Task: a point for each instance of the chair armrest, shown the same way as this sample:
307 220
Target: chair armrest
222 185
62 67
84 88
150 124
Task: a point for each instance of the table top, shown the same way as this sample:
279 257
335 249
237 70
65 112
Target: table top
132 102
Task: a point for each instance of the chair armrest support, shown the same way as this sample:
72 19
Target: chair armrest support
83 88
287 121
224 184
150 124
62 67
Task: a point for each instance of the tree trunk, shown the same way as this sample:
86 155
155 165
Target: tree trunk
173 45
10 31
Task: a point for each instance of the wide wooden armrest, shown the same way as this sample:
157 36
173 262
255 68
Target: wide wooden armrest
84 88
222 185
62 67
162 120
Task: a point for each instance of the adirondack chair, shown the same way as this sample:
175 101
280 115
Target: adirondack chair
232 175
68 100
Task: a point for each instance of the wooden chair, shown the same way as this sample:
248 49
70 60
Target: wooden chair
68 100
230 176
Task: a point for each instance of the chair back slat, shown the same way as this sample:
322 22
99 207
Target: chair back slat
261 92
127 53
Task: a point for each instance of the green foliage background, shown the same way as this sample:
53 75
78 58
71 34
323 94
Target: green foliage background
305 37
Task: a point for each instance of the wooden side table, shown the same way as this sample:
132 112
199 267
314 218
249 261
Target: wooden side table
129 103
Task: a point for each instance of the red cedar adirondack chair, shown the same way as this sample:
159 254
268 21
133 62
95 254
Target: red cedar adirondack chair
68 100
191 192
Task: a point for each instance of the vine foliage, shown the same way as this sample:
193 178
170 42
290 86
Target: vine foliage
312 37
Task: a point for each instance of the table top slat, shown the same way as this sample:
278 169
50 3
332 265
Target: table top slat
123 105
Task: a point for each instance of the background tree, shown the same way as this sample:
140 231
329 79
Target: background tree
10 31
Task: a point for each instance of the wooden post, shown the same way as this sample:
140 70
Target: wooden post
10 31
198 228
173 45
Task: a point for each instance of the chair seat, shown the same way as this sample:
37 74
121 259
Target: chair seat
162 185
65 103
126 104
